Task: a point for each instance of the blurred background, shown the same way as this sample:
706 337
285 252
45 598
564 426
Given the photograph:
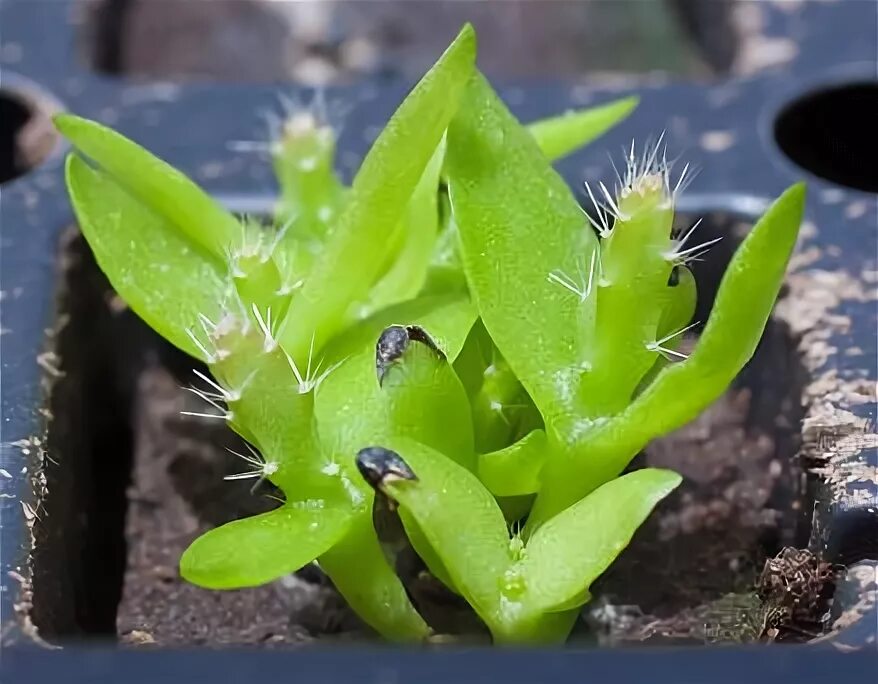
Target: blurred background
328 42
611 45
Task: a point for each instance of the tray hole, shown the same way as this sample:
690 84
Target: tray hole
854 536
831 133
26 134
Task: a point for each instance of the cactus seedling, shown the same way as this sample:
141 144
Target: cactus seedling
451 334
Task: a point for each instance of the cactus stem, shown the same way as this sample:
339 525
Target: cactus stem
235 394
331 469
325 213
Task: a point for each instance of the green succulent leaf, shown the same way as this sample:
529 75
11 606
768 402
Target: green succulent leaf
420 226
500 407
515 470
559 570
518 224
460 520
163 278
475 356
380 193
156 184
420 396
558 136
262 548
521 591
448 317
359 570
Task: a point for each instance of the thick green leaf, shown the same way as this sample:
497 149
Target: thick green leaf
460 520
262 548
359 570
558 136
499 407
378 199
515 470
474 358
448 317
571 550
518 224
156 270
407 275
427 553
156 184
420 397
444 280
467 531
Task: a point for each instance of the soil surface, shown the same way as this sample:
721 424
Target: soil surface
690 574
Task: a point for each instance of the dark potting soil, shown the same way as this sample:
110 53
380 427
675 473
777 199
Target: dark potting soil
690 574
